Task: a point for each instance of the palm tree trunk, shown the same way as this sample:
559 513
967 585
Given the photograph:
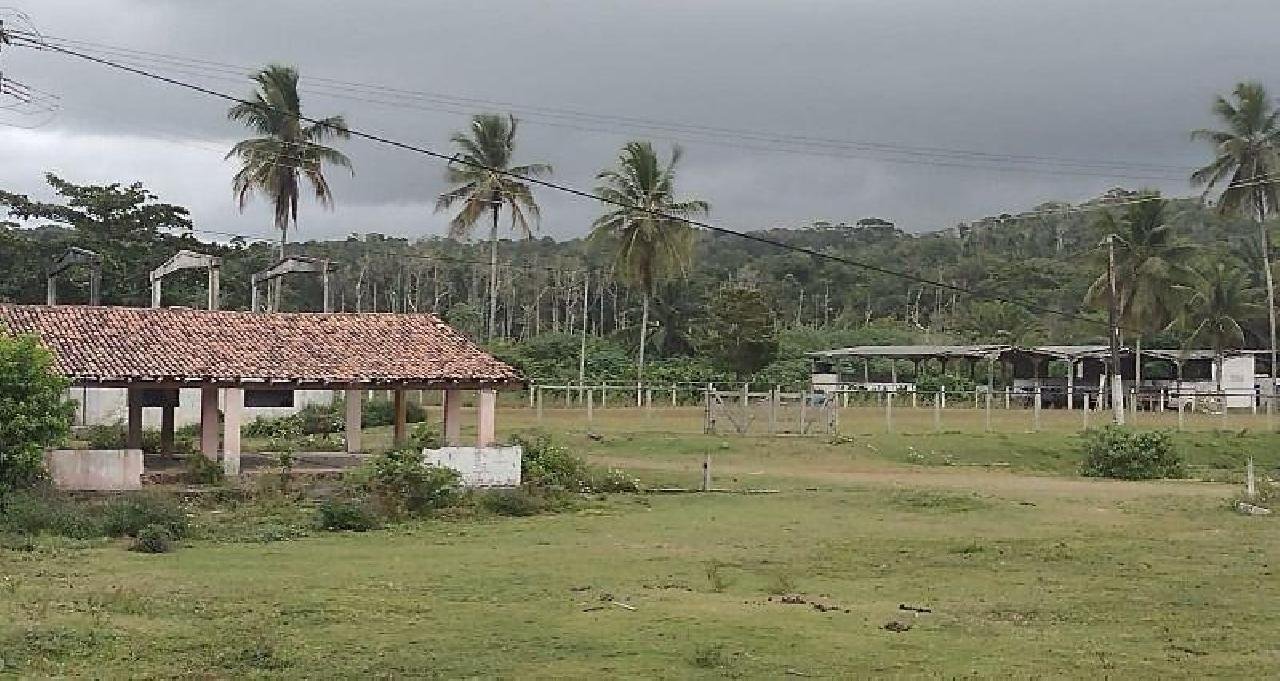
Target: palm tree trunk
1271 286
493 274
644 333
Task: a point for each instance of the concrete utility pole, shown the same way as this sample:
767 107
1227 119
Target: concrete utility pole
1113 315
582 352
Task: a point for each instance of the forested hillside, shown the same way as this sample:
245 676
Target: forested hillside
1046 257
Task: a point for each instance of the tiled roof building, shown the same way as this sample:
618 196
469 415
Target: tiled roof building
119 346
153 352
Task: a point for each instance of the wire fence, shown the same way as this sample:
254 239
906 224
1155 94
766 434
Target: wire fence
760 410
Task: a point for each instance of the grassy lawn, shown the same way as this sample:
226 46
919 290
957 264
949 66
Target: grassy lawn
1027 575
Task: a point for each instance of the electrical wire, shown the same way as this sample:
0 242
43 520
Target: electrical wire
748 236
807 145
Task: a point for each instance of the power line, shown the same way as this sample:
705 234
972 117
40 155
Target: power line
1030 306
577 120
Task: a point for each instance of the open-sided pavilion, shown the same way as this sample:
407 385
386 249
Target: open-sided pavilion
234 356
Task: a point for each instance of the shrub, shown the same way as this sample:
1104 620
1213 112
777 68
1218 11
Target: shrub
34 411
104 436
402 484
343 514
125 516
44 511
518 502
426 435
546 463
152 539
1116 452
614 480
112 436
201 470
382 412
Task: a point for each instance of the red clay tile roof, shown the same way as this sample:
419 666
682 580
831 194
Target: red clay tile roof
118 344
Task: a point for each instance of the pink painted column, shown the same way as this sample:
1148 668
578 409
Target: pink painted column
452 417
231 415
209 421
488 405
354 395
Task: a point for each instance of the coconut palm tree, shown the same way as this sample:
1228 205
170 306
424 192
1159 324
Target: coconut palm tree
484 180
287 150
643 221
1151 262
1219 303
1247 159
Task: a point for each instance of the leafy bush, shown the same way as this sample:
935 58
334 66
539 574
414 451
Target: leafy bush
44 511
127 515
382 412
547 463
112 436
201 470
426 435
1116 452
614 480
518 502
344 514
34 411
152 539
401 484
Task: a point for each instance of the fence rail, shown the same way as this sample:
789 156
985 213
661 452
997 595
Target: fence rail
746 409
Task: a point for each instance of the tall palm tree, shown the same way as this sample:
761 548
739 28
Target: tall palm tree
1219 303
1247 158
1151 262
287 150
653 245
484 180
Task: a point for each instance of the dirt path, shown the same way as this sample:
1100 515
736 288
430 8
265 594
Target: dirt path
984 480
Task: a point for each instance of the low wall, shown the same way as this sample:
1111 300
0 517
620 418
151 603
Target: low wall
95 469
479 466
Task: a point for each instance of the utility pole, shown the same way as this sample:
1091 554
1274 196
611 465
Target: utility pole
582 352
1113 314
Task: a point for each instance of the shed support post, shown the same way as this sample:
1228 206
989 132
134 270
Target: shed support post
354 395
1071 384
209 421
166 429
155 293
133 431
488 405
453 416
401 418
233 404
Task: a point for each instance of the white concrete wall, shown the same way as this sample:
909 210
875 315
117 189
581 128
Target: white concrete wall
101 406
95 469
479 466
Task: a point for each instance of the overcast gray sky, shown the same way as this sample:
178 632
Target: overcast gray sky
1115 83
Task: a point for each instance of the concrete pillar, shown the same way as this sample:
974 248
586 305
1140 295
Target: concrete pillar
232 407
209 421
1071 384
453 416
488 405
401 418
166 429
354 395
133 431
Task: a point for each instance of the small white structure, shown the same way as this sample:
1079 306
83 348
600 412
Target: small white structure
479 466
98 470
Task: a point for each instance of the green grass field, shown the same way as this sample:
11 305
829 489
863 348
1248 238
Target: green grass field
1029 572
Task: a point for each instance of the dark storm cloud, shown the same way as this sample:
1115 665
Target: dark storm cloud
1114 81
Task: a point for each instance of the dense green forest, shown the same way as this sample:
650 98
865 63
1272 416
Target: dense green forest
1046 257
